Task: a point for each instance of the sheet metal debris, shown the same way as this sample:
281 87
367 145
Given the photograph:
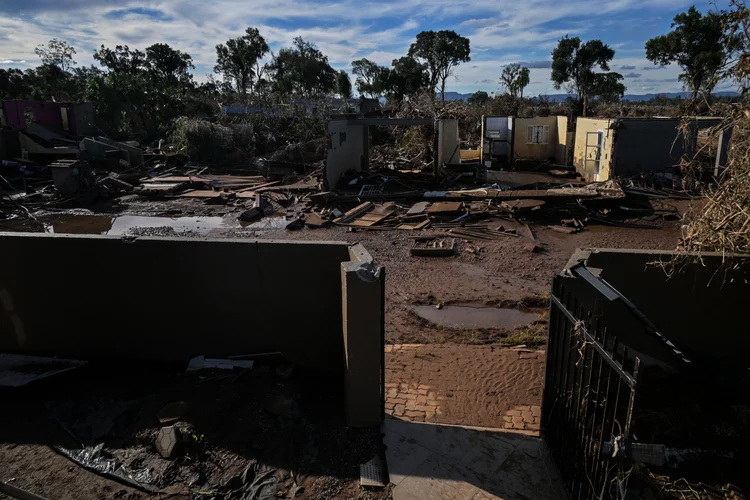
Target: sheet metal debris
17 370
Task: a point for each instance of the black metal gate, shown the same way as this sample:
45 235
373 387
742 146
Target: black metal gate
589 393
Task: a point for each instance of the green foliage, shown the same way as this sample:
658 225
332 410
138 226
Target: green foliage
697 43
478 98
442 51
303 71
372 80
408 77
573 65
515 78
344 85
237 59
57 53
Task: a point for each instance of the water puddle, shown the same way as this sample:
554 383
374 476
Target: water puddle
476 317
125 224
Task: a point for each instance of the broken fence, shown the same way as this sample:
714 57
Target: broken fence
589 395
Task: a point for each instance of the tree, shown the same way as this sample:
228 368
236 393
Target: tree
442 51
573 65
303 71
170 67
371 78
479 98
515 78
696 45
407 77
344 84
57 53
12 85
237 59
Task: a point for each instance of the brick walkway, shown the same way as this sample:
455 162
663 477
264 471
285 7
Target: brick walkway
484 386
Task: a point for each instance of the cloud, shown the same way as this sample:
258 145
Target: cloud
652 68
537 64
500 31
11 61
632 75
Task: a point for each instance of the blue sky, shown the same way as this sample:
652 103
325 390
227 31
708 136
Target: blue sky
501 31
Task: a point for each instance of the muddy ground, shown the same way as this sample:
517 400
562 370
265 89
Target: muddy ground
483 274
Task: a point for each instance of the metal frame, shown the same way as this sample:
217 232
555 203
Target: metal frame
589 395
598 147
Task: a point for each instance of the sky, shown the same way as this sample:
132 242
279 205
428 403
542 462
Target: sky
501 31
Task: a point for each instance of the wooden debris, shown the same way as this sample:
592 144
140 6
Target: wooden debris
532 247
315 221
355 212
434 248
516 206
530 232
418 208
196 193
447 207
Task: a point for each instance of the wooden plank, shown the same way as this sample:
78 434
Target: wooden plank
418 208
174 178
445 207
563 229
245 194
259 186
201 193
368 220
529 232
355 212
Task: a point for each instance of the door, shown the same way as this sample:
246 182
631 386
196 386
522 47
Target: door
593 157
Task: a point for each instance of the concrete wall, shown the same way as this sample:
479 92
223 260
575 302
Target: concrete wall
654 144
171 299
580 154
346 150
697 307
448 142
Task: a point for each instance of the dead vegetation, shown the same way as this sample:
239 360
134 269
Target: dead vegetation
723 223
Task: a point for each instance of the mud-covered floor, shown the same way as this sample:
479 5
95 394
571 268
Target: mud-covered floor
268 432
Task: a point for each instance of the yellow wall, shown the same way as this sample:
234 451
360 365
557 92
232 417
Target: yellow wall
554 150
583 126
534 151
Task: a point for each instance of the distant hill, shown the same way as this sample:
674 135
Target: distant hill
454 96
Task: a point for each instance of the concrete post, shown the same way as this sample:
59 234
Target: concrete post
363 309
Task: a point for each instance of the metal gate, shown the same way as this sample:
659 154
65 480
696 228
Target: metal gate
589 394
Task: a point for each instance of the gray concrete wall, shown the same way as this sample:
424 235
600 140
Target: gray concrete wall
698 307
346 150
653 144
88 297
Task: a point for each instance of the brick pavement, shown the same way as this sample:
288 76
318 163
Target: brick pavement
486 386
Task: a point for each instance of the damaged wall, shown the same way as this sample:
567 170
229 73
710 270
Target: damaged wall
72 118
598 131
549 144
170 299
346 150
635 145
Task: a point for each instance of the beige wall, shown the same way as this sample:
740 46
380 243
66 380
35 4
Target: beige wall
555 147
583 126
534 151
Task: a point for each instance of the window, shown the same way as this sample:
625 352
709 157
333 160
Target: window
537 134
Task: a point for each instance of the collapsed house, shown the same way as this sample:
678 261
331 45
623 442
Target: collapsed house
606 148
506 139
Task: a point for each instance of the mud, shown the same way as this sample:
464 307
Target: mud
476 317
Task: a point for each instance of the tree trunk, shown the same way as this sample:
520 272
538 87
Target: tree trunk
584 98
442 90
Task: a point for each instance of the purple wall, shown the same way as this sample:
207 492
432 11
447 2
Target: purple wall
44 113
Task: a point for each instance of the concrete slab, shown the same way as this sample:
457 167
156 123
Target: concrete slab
455 462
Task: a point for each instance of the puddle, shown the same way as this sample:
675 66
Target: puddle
122 225
476 317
